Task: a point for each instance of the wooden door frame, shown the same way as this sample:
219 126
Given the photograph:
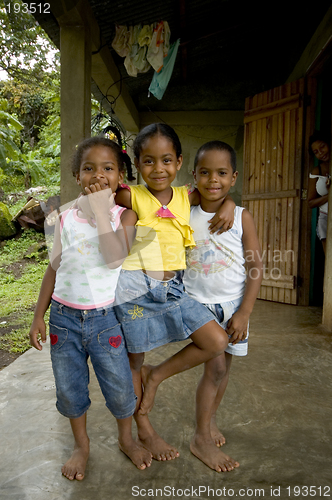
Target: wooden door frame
317 68
288 97
305 211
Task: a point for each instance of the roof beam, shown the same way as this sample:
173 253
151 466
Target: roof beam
103 69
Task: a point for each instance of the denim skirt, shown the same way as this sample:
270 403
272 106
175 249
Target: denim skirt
153 313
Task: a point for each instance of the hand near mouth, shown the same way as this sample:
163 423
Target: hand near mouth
97 203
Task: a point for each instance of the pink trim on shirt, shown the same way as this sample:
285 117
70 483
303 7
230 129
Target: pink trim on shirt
62 219
113 209
78 219
118 215
79 306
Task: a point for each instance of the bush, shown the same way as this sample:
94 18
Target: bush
7 228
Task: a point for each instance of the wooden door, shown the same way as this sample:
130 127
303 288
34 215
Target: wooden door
277 125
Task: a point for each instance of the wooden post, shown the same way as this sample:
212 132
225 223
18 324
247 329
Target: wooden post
75 100
327 303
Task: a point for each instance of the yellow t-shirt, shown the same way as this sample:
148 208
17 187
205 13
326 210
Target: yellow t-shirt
160 241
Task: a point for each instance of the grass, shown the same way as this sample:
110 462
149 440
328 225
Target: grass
15 249
23 261
17 341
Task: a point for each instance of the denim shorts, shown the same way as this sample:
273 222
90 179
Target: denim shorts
153 313
223 312
75 335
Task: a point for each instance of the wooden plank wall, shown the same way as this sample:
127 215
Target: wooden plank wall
272 183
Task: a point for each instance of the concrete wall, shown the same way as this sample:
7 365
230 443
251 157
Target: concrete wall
196 128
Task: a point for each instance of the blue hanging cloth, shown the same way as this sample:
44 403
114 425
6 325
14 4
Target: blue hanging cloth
160 80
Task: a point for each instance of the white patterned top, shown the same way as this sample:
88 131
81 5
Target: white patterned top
83 280
215 266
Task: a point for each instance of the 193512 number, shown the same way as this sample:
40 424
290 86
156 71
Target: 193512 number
32 8
309 491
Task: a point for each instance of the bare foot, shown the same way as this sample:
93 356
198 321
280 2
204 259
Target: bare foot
150 389
74 468
214 458
216 435
137 454
158 447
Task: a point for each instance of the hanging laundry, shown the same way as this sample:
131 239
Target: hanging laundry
140 60
121 39
145 35
159 45
142 47
167 37
136 61
134 47
160 80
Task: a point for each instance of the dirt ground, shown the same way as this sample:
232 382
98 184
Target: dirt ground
7 357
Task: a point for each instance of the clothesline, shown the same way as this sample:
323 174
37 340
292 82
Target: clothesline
144 47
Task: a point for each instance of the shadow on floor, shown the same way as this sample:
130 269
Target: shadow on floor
276 416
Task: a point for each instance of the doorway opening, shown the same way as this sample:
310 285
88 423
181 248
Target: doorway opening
323 123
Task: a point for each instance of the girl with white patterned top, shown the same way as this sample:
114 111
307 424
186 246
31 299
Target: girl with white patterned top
91 241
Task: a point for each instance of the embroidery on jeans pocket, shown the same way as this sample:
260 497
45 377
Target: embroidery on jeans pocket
137 312
54 338
115 341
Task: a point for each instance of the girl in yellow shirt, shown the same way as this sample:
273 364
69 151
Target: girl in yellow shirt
151 303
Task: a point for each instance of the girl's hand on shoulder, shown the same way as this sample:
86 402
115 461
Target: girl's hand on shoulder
220 223
237 327
37 333
223 219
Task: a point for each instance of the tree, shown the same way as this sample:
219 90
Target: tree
9 135
33 75
34 166
32 105
24 46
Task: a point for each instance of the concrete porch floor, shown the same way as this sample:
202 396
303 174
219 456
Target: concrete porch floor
276 416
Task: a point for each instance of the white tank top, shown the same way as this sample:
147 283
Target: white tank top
321 189
83 280
215 266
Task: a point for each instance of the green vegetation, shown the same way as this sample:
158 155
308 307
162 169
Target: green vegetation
29 103
23 262
24 46
15 250
29 157
7 228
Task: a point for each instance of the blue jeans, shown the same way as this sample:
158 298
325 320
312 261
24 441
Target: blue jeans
77 334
